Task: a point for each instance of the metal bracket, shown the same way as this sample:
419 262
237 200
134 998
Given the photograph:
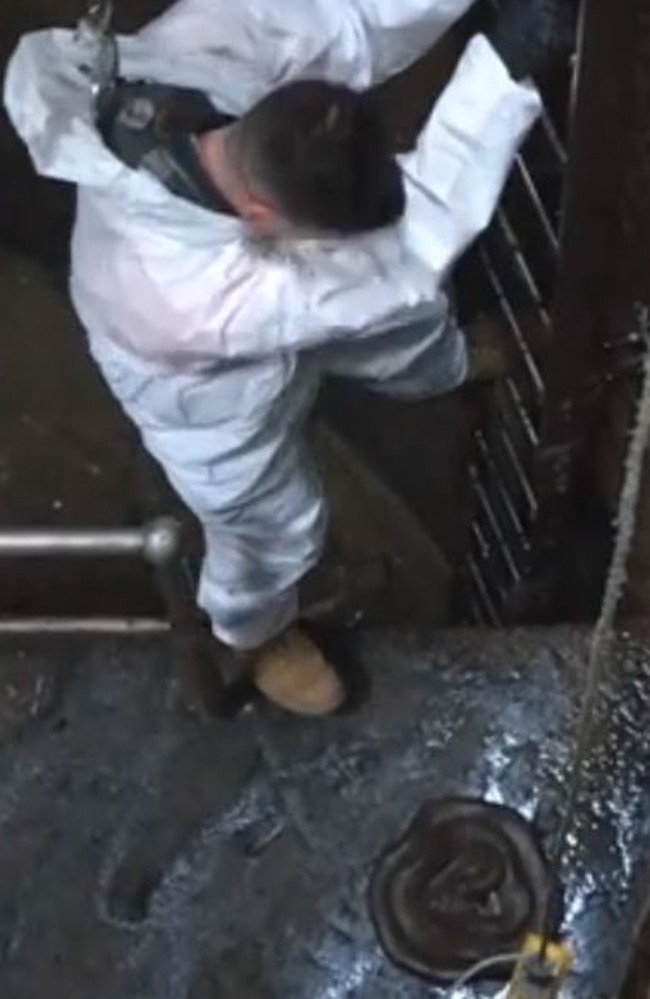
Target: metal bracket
158 543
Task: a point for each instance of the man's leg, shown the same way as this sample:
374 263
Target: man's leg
423 359
230 444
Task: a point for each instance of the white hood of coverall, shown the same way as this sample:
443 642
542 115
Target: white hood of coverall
173 282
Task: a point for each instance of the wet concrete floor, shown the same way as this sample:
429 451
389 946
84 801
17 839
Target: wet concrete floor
145 857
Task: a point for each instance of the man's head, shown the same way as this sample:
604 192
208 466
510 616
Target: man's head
312 157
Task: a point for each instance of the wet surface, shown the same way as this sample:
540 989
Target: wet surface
142 855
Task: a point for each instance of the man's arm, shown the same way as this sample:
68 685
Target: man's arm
259 44
384 280
463 156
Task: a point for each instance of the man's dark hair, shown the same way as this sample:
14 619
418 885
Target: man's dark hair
320 152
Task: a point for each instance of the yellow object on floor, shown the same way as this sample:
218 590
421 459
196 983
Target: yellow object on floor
540 975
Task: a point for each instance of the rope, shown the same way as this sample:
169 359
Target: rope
603 635
485 965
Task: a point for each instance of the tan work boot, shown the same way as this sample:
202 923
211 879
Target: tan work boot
293 674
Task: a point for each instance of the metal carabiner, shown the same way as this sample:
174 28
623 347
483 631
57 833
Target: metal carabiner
99 56
99 13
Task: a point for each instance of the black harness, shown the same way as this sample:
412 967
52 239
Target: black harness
152 125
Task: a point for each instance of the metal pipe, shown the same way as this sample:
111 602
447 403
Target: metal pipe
554 140
482 592
522 412
493 522
481 541
516 522
511 451
34 543
511 240
509 403
129 627
158 542
482 549
542 215
529 361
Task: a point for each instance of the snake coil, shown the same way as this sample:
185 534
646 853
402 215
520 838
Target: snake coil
467 881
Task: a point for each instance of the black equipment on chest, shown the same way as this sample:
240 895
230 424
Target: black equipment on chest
151 126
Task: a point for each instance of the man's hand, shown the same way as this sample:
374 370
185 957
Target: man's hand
531 36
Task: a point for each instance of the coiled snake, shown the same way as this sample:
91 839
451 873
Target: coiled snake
466 882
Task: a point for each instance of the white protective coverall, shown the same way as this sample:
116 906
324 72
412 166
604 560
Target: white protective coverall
213 343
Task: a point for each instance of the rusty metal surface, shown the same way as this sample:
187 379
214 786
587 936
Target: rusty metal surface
142 856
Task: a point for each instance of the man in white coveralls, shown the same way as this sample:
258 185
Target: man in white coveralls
243 228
